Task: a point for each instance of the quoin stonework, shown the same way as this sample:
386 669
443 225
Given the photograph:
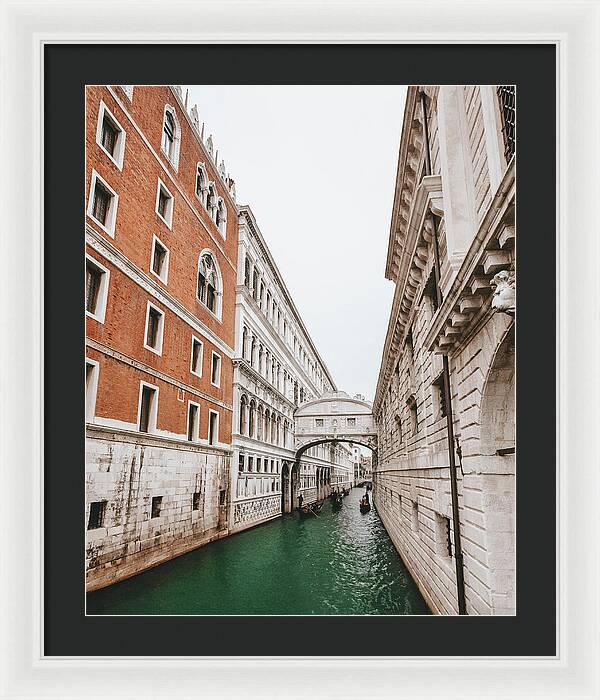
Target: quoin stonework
451 257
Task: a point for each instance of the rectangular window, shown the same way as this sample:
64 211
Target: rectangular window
155 319
222 497
110 135
91 388
96 289
148 409
415 517
213 427
259 464
97 513
351 422
102 205
197 354
196 501
215 371
250 464
318 422
160 260
164 204
156 506
508 112
241 463
193 423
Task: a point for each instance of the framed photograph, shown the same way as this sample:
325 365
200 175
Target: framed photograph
291 418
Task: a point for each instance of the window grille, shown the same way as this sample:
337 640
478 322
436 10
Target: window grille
156 506
97 512
163 201
101 202
92 287
153 323
109 135
159 258
508 112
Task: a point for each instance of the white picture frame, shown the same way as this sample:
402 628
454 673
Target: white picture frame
24 670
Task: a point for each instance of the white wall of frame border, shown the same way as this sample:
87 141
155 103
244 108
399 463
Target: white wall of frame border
574 27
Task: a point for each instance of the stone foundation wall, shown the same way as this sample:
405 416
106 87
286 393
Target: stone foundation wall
126 471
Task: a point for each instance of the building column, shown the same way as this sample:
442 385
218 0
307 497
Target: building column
457 174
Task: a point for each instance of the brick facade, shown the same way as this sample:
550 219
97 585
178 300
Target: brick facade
191 476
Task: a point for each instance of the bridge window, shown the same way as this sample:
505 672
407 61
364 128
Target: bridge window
319 422
351 422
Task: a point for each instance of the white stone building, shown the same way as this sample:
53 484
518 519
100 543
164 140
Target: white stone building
276 368
454 200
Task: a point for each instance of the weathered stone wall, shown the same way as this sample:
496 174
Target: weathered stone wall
126 471
412 490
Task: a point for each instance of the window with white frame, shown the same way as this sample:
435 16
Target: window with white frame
160 260
209 284
197 354
215 370
110 135
96 289
147 408
164 203
153 333
92 369
213 427
102 205
193 421
171 136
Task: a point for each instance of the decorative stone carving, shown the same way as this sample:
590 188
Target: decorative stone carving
222 170
504 298
195 117
209 146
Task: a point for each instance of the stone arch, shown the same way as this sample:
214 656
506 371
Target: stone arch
497 423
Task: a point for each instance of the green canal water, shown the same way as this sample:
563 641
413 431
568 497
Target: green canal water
340 563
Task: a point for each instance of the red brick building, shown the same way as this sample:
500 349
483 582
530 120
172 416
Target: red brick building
161 258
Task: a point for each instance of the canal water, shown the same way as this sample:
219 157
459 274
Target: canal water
339 563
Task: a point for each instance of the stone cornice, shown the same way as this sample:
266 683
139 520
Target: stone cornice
470 293
149 439
412 263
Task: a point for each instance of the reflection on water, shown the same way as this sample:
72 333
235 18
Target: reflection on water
340 563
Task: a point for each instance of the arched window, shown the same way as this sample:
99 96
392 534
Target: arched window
267 425
221 217
251 418
209 285
260 421
171 136
201 188
247 273
243 415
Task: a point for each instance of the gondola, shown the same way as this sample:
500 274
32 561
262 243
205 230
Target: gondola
364 507
337 502
311 508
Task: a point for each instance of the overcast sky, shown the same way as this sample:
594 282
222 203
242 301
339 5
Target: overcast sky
317 165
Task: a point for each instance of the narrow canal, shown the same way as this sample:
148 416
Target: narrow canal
339 563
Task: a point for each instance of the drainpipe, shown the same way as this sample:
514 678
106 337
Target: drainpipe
458 556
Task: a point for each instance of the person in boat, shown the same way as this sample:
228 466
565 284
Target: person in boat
366 498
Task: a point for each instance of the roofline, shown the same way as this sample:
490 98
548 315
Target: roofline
245 211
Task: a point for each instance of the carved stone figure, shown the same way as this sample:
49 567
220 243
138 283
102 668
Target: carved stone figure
195 118
504 298
209 146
